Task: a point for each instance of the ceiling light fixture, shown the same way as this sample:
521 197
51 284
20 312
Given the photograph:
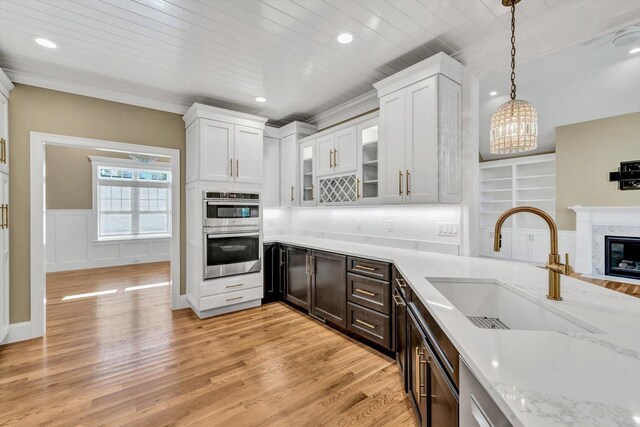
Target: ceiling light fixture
45 42
344 37
634 50
514 125
261 99
493 93
627 36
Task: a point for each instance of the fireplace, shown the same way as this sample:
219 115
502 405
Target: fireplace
622 256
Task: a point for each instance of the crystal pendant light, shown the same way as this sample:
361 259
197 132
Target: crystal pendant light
514 125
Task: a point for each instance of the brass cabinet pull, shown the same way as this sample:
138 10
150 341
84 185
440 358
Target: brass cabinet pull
312 268
331 159
400 183
421 384
237 167
281 257
408 175
6 215
398 300
3 150
367 324
364 267
335 157
292 193
401 283
313 197
235 286
2 220
306 265
362 291
235 298
357 188
231 167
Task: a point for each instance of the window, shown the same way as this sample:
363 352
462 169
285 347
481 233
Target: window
131 201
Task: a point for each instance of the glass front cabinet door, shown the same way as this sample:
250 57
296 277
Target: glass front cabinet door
367 182
308 173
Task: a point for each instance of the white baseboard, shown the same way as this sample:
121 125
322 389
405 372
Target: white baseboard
19 332
100 263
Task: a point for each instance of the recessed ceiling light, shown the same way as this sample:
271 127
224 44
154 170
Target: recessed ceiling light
344 38
261 99
634 50
45 42
493 93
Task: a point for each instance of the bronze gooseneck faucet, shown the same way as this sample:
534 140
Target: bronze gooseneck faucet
555 267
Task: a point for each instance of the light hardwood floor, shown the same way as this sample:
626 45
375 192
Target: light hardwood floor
625 288
127 359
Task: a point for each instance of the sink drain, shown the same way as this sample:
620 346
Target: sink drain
487 322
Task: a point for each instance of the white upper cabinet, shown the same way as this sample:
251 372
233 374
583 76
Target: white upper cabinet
367 181
420 132
223 145
326 145
248 155
271 173
338 152
290 136
345 151
307 173
392 147
5 88
288 170
216 151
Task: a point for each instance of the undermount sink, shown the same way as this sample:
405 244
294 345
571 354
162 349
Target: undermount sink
492 304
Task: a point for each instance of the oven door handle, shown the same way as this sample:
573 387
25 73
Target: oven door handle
224 235
237 203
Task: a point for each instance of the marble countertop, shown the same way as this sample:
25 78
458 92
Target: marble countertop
537 378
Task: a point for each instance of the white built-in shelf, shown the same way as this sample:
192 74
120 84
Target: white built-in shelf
308 173
516 182
371 181
370 163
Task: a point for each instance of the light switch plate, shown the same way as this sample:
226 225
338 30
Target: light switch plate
448 229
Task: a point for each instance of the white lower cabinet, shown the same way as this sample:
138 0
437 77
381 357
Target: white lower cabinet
526 245
530 246
4 256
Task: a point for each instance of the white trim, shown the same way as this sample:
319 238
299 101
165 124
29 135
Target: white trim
362 104
5 84
297 127
440 63
202 111
37 214
129 163
18 332
536 158
94 92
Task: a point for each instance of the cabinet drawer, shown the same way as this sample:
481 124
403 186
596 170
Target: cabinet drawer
371 293
367 267
231 298
369 324
230 284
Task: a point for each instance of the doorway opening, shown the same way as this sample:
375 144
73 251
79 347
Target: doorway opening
104 225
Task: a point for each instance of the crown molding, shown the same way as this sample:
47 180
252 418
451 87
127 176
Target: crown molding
202 111
297 127
440 63
357 106
5 84
93 92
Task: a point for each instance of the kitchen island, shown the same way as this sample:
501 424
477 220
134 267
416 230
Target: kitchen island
586 377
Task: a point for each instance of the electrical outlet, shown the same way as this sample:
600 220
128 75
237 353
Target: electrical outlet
390 226
358 224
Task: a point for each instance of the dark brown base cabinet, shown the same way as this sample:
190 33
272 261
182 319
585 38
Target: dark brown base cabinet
297 282
371 300
273 262
329 287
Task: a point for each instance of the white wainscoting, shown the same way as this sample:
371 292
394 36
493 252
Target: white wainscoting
70 246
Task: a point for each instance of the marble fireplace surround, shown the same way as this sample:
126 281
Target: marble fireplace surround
592 224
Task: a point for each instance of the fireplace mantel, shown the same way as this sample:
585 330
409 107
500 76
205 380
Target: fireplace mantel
595 222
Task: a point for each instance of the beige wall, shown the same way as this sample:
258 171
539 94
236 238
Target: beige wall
43 110
69 177
585 154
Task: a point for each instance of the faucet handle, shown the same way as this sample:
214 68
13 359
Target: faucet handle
567 267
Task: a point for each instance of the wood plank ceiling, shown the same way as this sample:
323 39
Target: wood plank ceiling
227 52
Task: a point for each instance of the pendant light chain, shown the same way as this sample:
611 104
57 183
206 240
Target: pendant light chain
513 50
